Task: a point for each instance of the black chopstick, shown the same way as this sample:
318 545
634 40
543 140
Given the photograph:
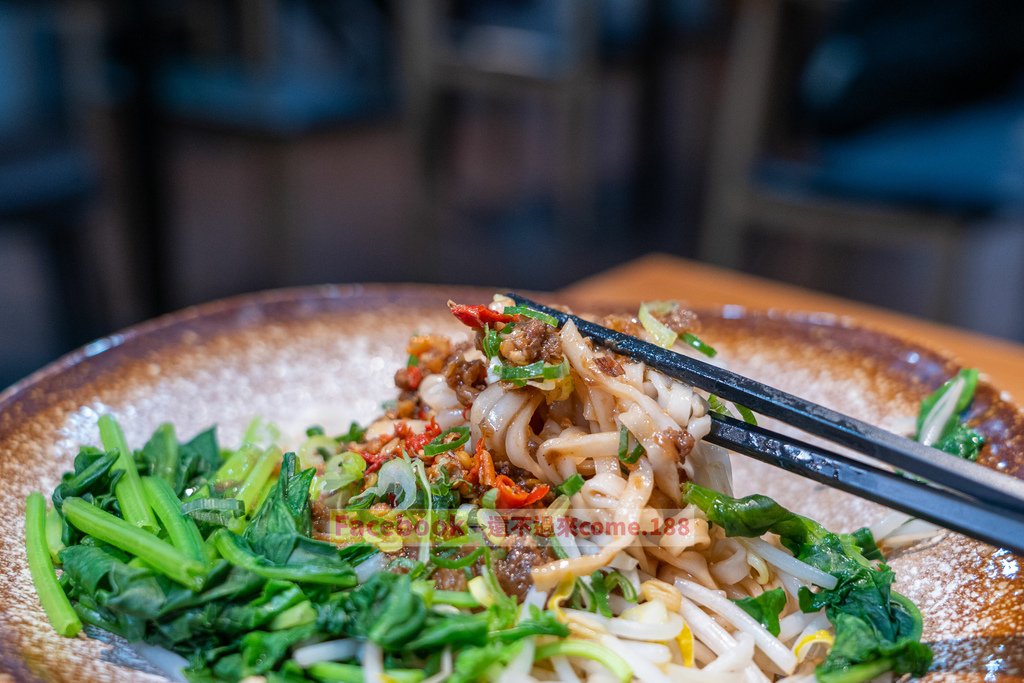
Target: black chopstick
970 517
994 488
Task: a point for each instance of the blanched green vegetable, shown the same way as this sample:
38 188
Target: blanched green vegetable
876 630
765 608
55 603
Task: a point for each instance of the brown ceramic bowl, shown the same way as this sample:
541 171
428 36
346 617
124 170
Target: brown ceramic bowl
327 355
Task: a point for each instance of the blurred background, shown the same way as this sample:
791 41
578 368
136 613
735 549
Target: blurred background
156 154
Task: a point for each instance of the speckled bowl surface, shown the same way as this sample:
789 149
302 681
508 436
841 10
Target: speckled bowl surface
327 356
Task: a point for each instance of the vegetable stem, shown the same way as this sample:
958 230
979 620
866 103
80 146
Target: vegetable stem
460 599
229 549
54 534
160 555
168 457
129 487
250 490
182 530
51 596
334 672
588 650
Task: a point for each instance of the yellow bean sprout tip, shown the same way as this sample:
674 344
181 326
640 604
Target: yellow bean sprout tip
560 594
807 642
685 642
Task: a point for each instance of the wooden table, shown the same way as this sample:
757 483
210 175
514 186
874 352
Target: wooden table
659 276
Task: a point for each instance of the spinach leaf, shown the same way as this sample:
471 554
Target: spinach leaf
185 466
284 515
280 528
91 480
474 663
385 610
765 608
876 630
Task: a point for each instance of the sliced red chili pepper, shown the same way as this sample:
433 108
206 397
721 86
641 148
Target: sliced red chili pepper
511 495
413 376
482 471
478 316
415 442
373 461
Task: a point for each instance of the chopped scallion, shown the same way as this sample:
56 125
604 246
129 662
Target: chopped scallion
626 456
570 486
697 343
538 370
441 445
490 499
491 342
661 334
530 313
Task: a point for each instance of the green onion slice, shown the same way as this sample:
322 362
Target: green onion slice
530 313
490 499
626 456
662 335
616 578
718 406
457 562
538 370
571 486
491 342
697 343
746 413
439 445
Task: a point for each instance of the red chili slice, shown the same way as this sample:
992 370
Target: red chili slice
478 316
511 495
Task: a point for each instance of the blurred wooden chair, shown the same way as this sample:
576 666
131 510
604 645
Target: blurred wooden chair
881 189
554 55
47 180
299 68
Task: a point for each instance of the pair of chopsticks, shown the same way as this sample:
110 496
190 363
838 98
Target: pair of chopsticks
956 494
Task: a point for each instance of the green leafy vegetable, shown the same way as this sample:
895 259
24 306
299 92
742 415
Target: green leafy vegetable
952 436
765 608
261 472
354 434
235 595
161 555
93 479
182 531
51 595
128 487
876 630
